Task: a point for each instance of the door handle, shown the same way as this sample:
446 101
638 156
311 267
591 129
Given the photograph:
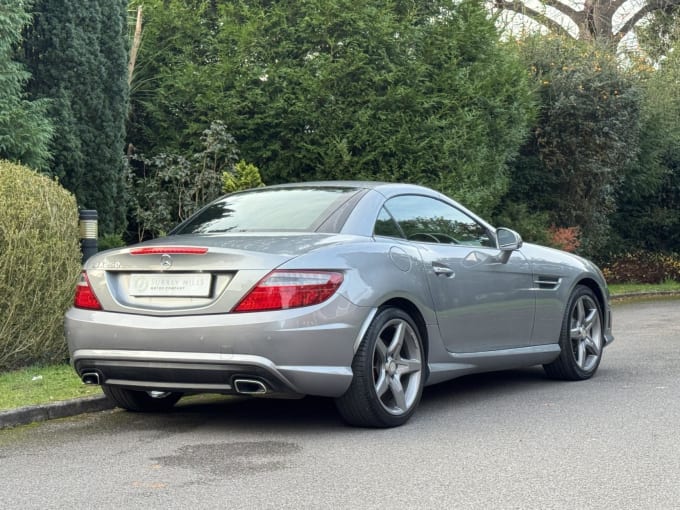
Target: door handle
440 270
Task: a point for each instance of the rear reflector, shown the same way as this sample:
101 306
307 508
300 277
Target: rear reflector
280 290
85 298
170 250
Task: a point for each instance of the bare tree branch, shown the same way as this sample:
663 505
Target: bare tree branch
539 17
134 49
612 7
650 6
593 21
562 7
519 7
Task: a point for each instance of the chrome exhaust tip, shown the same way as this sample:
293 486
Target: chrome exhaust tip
249 387
90 378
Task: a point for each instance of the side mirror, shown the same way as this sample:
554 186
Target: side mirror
508 241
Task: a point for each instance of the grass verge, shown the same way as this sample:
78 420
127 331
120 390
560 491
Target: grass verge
40 385
618 289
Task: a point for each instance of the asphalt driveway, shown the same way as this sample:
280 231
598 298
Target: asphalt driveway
504 440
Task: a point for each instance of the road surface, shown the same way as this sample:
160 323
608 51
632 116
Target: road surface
505 440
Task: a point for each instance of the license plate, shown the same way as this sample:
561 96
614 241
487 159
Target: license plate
174 285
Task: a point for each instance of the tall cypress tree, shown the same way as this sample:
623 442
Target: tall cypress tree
24 130
76 53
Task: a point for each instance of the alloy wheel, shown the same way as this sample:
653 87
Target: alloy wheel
585 332
397 367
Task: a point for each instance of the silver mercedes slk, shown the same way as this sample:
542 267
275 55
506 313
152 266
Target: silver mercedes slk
361 292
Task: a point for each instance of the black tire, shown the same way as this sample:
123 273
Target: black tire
388 372
141 401
581 338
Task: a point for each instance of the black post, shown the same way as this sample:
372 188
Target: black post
88 233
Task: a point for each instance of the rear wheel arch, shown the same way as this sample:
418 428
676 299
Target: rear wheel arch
388 371
413 311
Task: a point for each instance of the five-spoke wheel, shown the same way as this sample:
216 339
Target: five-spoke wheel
586 333
581 338
397 364
388 373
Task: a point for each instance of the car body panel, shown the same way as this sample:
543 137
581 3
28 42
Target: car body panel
284 342
237 263
490 312
476 286
556 274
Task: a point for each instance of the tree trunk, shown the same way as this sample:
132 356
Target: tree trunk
136 41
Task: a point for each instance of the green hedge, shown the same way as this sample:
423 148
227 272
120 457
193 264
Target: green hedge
39 265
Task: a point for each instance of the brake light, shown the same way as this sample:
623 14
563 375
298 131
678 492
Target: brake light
280 290
85 297
170 250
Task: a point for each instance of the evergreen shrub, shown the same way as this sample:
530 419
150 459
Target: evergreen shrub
39 265
572 166
244 176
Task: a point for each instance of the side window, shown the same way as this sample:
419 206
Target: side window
385 225
428 220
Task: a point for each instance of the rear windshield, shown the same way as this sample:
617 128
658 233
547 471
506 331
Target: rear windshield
299 209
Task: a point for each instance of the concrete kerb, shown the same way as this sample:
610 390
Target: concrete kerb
63 409
645 295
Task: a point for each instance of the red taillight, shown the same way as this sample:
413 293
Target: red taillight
85 298
170 250
280 290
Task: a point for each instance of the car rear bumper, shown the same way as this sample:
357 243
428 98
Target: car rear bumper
290 352
243 374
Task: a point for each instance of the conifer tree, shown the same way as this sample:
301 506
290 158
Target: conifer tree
24 130
76 53
338 89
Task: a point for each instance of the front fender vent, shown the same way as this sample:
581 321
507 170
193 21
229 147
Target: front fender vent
546 282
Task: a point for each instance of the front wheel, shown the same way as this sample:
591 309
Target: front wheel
141 401
388 373
581 338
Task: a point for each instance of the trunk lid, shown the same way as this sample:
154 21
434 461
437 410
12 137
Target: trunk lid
187 275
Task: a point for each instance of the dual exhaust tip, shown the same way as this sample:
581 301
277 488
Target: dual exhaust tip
242 386
249 387
90 378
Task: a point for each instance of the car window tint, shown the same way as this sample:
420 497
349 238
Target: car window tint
426 219
386 226
297 209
